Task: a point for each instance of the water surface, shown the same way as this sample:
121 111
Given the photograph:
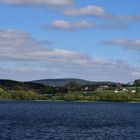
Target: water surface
28 120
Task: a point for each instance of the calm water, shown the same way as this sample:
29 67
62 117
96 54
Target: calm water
69 121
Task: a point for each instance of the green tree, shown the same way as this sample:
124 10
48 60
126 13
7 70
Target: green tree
137 82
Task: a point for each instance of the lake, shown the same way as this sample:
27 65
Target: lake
38 120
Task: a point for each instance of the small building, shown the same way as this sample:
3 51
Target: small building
102 87
86 88
121 90
116 91
133 91
125 90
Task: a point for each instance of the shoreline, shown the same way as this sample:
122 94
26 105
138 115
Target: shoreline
78 101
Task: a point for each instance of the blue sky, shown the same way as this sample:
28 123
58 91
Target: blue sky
94 40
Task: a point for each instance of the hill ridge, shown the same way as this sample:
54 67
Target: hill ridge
64 81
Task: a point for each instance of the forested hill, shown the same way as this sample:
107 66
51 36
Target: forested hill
63 82
14 85
10 84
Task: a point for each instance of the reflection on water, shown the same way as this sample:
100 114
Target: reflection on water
69 121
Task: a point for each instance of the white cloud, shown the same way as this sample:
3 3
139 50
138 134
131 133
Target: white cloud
61 24
20 45
136 73
90 10
37 2
21 48
11 70
83 24
66 25
126 43
100 12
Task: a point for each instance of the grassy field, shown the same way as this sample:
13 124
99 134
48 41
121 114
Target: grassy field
102 95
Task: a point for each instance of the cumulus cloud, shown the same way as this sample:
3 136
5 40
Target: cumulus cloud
90 10
126 43
84 24
66 25
100 12
21 48
11 70
37 2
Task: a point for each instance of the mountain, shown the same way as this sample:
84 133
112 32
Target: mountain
38 84
63 82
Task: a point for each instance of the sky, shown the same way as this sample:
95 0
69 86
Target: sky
97 40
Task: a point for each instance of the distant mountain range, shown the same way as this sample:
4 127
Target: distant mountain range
63 82
53 82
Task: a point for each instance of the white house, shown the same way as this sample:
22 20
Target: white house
116 91
133 91
125 90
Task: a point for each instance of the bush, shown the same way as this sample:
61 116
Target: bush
23 95
115 97
4 94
